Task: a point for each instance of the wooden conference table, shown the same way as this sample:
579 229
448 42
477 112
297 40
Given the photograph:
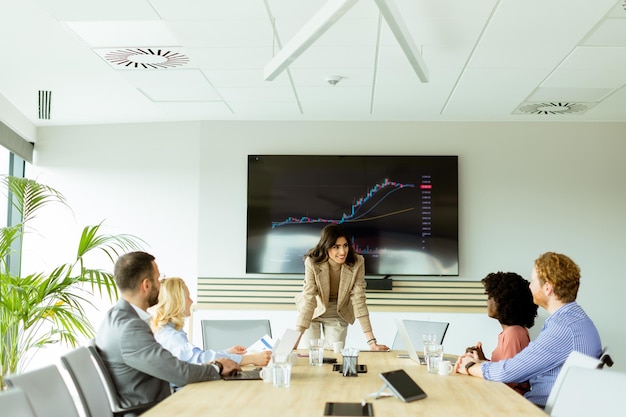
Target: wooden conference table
312 386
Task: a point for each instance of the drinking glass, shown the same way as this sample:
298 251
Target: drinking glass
282 374
428 339
434 355
316 352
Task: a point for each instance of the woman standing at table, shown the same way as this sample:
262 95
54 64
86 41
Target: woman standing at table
334 290
168 318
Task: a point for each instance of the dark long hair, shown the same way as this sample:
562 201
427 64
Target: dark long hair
329 237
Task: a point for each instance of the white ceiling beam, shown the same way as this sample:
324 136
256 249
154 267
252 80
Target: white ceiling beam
395 22
310 32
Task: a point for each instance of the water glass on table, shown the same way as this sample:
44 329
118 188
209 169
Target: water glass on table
282 373
428 339
434 355
316 352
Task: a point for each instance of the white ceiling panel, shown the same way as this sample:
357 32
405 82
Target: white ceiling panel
112 34
612 32
596 57
582 78
485 59
223 33
230 58
70 10
569 94
208 10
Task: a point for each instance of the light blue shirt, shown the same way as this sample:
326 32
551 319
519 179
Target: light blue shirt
177 342
568 329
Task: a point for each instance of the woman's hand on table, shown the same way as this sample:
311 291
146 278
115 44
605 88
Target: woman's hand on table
379 348
258 358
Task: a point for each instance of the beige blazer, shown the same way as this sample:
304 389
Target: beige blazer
351 301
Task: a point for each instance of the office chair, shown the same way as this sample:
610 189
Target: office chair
575 359
86 376
416 328
589 392
111 392
222 334
605 358
46 392
13 402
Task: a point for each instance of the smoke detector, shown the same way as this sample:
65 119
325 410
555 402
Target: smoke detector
333 79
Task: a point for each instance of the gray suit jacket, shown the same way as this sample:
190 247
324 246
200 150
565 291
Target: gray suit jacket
140 367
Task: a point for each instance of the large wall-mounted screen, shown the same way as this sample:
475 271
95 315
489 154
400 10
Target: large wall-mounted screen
400 211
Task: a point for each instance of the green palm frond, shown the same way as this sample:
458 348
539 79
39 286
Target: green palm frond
47 308
8 235
112 245
30 196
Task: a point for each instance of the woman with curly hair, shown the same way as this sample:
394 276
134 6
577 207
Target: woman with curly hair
510 301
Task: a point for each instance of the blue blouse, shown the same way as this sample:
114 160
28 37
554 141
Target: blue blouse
177 342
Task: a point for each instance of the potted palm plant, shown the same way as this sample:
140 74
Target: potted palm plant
43 308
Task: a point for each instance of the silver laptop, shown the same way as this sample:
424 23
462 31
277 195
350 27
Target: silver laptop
415 328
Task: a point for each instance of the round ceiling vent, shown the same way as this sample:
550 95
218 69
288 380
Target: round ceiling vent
146 58
553 108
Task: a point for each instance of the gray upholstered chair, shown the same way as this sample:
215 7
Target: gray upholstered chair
86 376
222 334
111 391
575 359
46 392
13 402
587 392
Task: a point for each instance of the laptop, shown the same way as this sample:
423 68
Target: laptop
404 335
247 375
285 345
281 352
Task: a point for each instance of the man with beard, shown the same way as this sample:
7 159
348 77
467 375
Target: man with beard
140 367
554 284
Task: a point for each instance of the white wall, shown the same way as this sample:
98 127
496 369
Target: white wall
525 188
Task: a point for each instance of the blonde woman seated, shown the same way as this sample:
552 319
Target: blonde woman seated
168 318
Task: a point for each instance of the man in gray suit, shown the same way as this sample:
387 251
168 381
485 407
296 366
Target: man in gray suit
141 368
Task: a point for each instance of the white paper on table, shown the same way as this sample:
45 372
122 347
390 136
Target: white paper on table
263 344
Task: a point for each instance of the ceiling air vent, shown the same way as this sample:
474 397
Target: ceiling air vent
553 107
146 58
45 100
